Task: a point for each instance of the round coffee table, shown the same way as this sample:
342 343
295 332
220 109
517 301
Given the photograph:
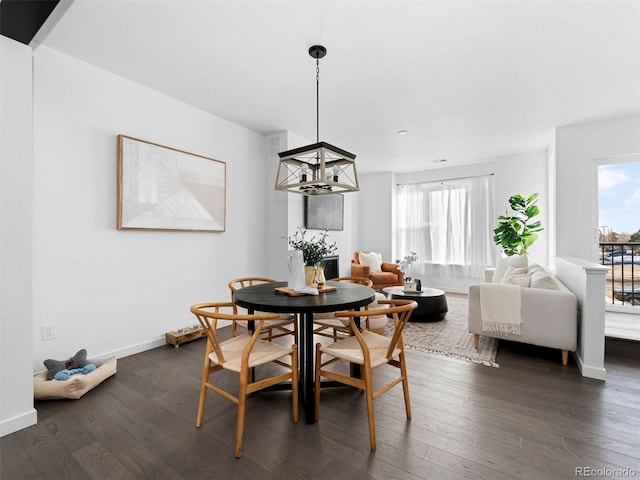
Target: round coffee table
432 303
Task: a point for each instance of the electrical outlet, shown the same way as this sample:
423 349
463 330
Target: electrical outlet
49 331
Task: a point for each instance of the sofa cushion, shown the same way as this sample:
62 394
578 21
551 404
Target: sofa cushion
372 259
516 261
534 267
544 279
523 280
517 276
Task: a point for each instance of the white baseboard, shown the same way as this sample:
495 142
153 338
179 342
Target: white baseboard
18 422
590 372
133 349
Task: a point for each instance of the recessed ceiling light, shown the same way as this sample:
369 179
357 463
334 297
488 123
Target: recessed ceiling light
403 132
439 160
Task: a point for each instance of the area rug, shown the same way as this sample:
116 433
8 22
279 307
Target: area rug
450 337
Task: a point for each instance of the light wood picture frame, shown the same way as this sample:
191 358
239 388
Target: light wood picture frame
163 188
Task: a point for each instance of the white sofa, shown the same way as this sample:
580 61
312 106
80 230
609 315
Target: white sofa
548 310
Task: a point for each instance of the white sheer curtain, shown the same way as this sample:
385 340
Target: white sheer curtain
449 224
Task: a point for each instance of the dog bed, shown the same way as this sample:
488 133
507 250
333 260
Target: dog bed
76 386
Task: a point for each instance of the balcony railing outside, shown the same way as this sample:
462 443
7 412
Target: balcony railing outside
623 280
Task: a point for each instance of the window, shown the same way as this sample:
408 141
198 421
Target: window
448 224
619 226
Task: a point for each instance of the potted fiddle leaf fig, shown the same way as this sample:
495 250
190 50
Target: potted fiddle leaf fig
515 233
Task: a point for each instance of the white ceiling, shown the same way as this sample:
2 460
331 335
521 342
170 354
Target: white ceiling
469 80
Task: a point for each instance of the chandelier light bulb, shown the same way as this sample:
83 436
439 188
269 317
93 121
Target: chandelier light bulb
336 171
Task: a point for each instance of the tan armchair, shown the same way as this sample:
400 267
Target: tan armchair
382 274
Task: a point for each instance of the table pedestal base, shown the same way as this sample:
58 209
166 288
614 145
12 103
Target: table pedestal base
306 353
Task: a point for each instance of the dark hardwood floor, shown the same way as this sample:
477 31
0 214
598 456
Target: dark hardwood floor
531 418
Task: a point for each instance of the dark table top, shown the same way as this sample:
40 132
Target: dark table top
264 298
425 292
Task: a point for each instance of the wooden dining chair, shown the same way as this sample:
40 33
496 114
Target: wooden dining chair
369 350
327 325
241 354
284 324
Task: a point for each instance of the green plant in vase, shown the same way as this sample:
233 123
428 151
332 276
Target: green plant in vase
515 233
406 265
314 250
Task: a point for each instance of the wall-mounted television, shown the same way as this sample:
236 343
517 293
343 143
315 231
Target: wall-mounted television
324 211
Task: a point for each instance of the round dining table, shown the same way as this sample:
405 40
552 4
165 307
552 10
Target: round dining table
266 298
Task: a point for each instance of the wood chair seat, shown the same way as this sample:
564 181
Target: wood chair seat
261 353
349 349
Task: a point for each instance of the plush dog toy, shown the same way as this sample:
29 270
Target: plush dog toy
65 374
78 361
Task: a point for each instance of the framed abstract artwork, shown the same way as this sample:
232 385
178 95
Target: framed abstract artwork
162 188
324 211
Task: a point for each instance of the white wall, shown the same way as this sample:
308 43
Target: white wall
375 215
117 292
525 174
16 216
277 214
578 147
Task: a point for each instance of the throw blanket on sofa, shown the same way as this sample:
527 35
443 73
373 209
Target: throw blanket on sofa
500 308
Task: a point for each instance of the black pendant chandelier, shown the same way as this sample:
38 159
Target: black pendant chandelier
319 168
